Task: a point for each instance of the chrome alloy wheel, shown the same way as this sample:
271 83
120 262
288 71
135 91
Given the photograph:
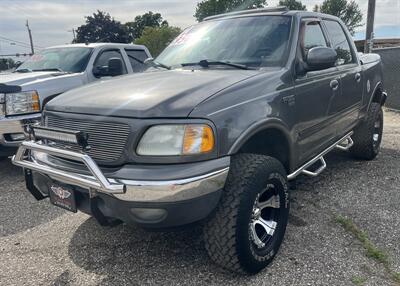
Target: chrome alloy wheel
264 217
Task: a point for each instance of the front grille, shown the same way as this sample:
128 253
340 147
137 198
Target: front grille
106 139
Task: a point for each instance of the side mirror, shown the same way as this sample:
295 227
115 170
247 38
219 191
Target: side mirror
148 60
100 71
17 64
320 58
115 66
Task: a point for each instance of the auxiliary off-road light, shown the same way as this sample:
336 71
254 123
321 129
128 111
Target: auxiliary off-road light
60 135
17 136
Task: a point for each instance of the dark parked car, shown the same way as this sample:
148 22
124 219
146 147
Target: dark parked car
233 109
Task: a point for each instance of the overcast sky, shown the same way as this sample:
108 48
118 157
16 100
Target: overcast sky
52 20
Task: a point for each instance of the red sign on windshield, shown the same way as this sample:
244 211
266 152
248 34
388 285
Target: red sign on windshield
35 58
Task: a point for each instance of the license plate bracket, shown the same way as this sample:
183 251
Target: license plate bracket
62 196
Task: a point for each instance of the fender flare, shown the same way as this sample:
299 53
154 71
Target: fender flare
270 123
383 98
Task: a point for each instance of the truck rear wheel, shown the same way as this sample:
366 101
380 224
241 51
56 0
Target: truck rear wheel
250 221
368 136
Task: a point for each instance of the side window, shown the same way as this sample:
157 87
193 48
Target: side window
136 59
339 42
311 36
102 60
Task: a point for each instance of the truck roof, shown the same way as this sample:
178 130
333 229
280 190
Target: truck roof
97 45
279 10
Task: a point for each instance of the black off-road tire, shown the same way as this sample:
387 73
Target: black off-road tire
227 234
368 135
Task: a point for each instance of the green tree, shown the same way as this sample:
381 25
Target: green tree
214 7
157 39
149 19
293 5
101 27
348 11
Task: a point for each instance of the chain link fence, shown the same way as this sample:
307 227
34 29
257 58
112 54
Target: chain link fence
391 72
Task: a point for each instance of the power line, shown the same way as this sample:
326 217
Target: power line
15 41
11 40
22 46
15 44
17 55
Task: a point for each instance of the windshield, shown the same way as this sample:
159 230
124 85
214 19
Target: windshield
72 59
252 41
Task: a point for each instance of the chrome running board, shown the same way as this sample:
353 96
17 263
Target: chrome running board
344 143
318 171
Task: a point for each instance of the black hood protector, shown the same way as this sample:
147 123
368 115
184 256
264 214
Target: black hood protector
9 88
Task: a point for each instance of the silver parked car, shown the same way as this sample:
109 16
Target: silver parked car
54 70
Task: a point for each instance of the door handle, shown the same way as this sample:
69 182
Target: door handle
357 77
334 84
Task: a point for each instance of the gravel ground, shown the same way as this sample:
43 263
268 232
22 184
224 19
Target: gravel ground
43 245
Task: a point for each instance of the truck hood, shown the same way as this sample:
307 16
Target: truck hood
23 78
45 83
151 94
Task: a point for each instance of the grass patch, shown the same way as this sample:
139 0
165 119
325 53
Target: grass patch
358 281
370 249
396 277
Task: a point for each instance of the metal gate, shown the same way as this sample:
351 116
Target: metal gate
391 73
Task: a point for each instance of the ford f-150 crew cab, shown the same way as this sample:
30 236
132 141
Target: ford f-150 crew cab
245 103
53 71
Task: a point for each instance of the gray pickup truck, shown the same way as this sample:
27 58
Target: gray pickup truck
241 104
55 70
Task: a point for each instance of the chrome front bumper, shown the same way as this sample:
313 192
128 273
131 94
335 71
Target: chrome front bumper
14 125
125 190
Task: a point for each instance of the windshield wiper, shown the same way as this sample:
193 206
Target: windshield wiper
49 69
152 62
23 70
207 63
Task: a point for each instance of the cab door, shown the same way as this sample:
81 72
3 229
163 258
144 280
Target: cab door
136 58
315 91
101 63
346 104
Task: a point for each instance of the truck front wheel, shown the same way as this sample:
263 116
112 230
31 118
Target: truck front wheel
250 221
368 135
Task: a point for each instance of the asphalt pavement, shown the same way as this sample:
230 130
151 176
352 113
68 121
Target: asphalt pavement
43 245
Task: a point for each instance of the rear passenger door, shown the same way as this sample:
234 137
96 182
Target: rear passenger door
136 59
346 104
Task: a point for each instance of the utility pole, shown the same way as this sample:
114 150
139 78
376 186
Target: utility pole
73 33
370 27
30 37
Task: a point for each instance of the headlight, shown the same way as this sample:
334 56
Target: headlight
175 140
22 102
